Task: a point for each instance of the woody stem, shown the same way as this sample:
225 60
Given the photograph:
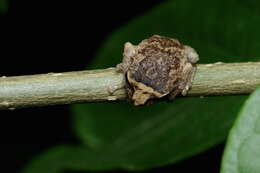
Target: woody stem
108 85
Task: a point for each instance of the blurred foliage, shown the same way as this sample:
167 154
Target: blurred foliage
242 153
3 6
119 135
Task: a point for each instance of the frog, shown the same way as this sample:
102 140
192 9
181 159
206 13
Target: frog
157 67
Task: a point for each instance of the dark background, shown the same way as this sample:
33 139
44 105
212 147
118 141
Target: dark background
41 36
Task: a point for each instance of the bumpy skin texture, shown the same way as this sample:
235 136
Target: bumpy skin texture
157 67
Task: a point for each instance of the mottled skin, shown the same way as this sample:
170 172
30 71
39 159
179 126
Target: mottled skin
157 67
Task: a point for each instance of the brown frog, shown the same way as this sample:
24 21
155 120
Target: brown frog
157 67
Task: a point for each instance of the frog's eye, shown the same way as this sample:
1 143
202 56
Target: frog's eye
129 49
191 54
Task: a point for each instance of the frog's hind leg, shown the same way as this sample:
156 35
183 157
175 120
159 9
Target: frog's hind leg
185 83
189 73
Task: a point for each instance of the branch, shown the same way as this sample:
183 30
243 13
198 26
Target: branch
108 85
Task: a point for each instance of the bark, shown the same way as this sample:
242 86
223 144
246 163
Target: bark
108 85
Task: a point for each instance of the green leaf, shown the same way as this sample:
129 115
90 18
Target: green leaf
168 132
3 6
137 138
63 158
242 152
